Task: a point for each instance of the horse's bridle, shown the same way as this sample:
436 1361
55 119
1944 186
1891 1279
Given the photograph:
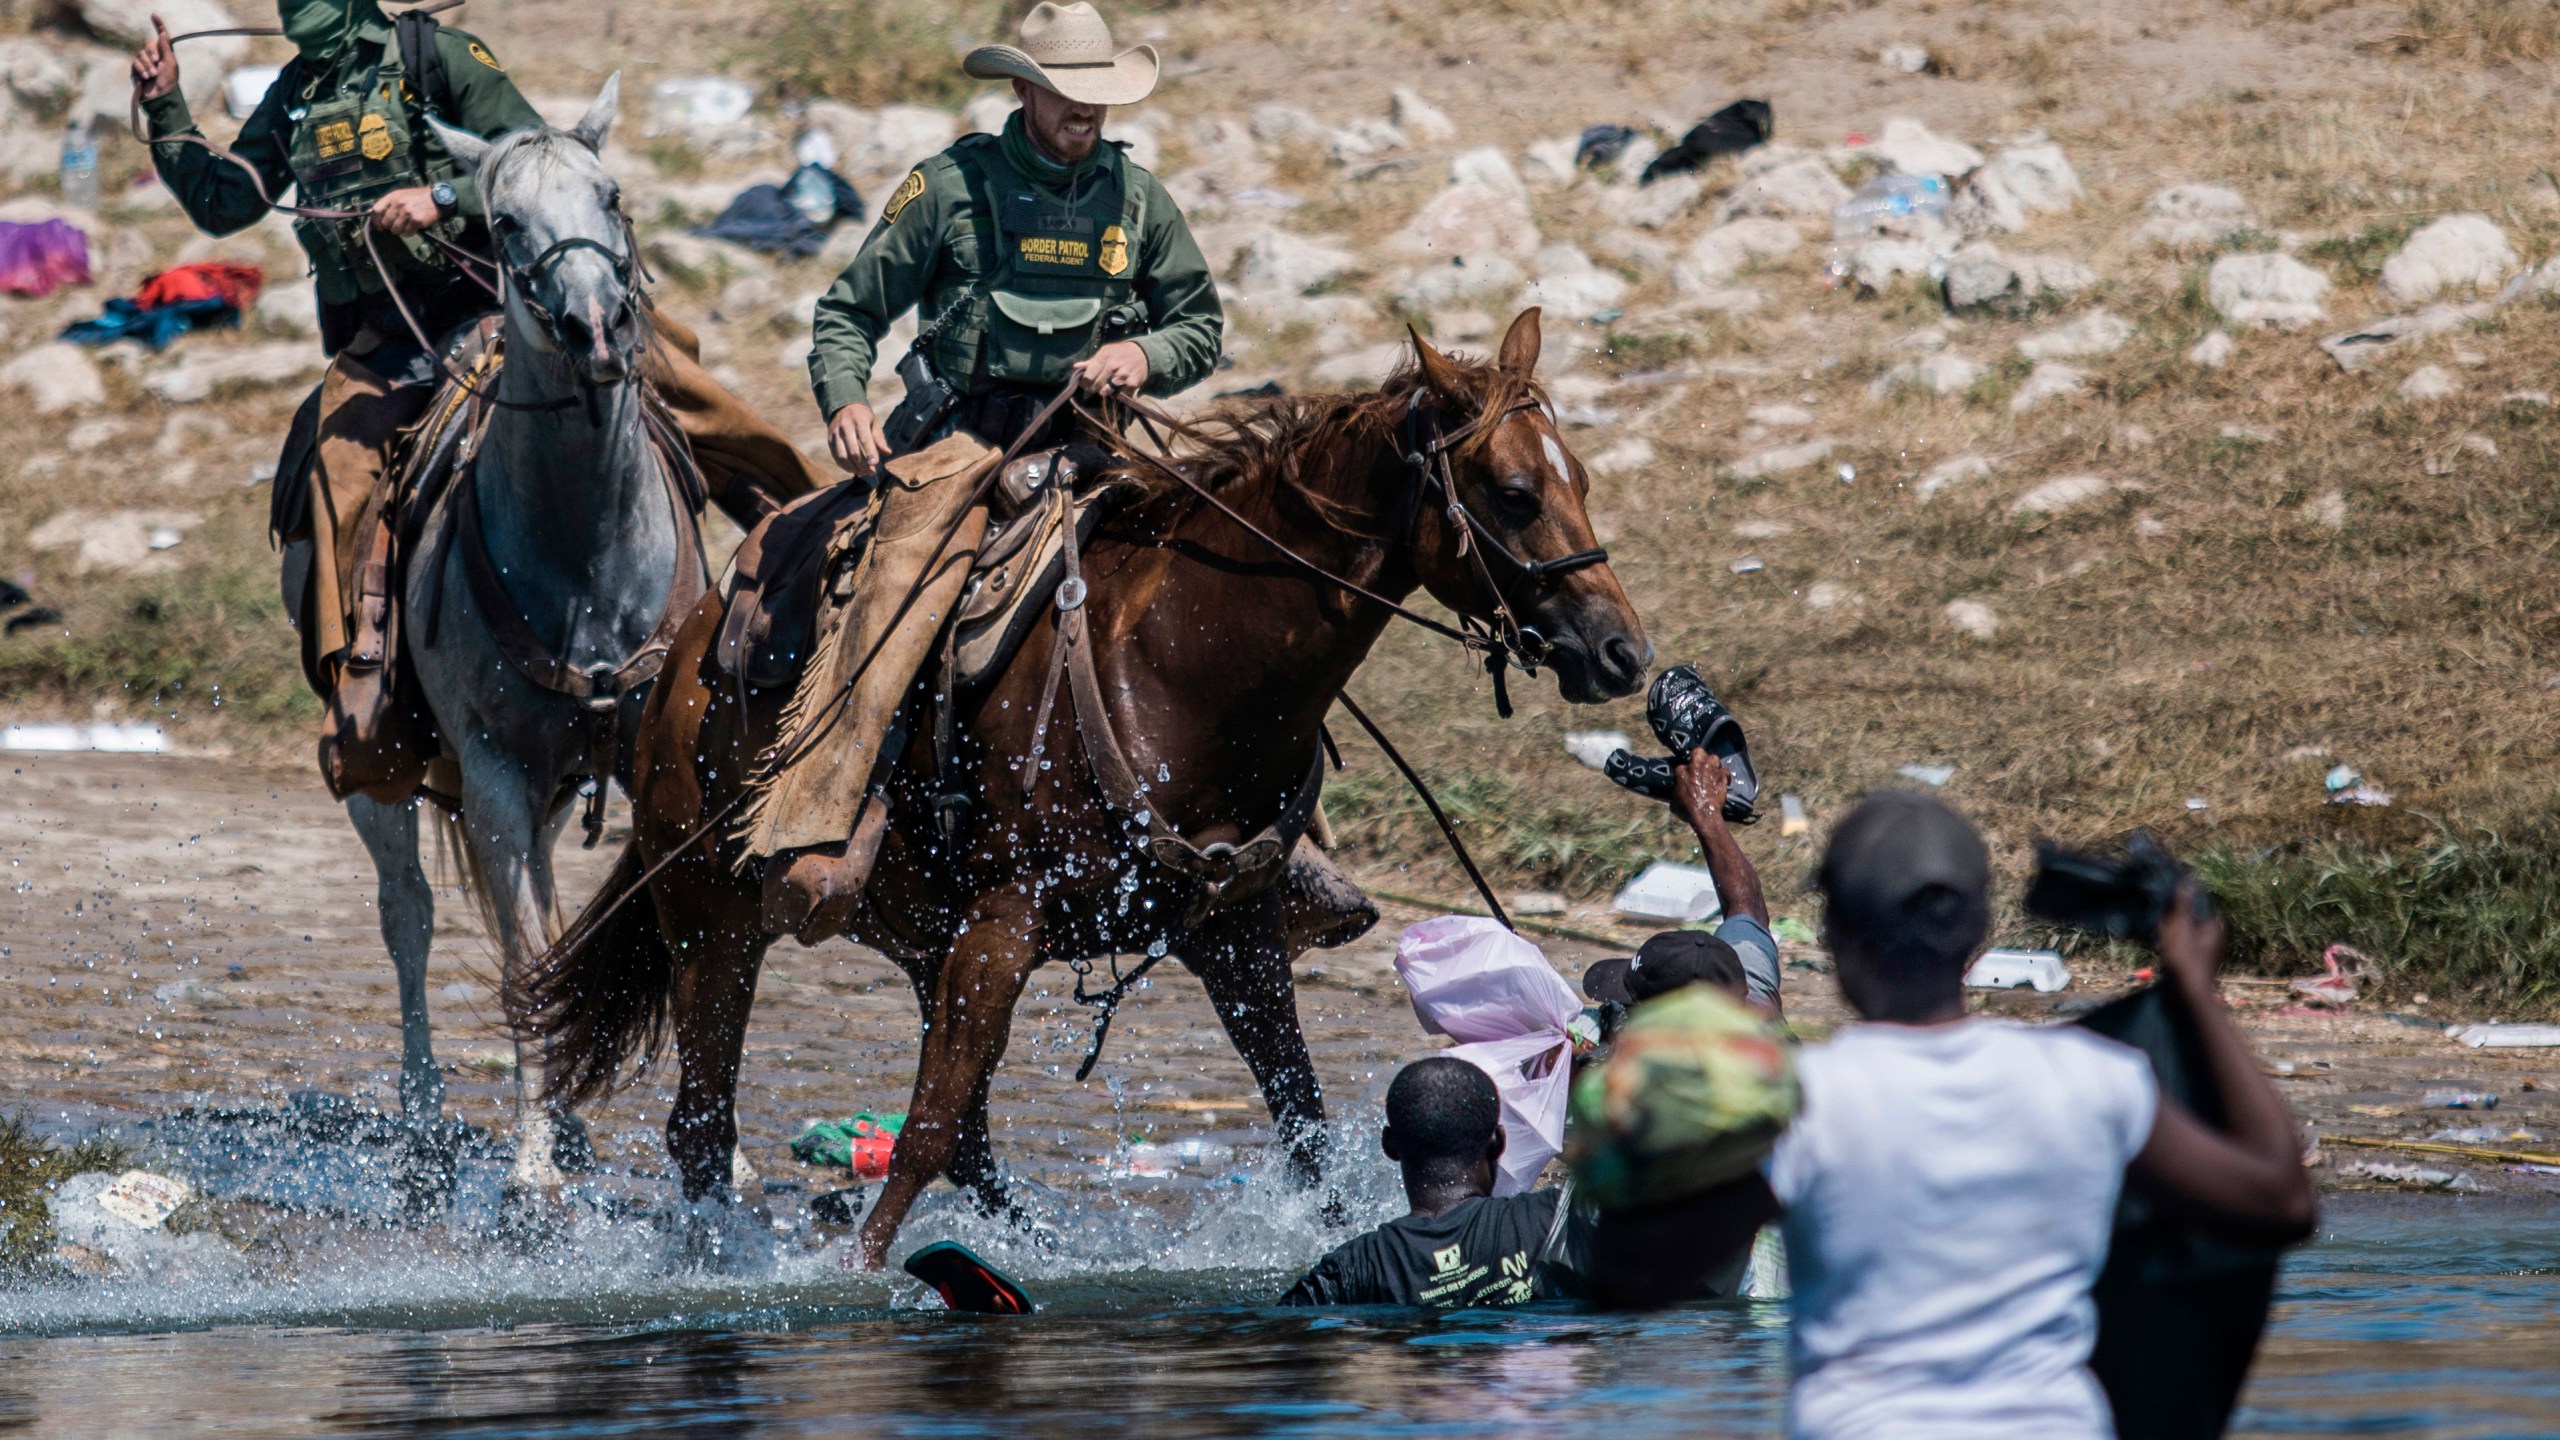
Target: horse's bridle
517 281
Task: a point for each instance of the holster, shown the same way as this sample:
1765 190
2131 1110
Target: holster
929 398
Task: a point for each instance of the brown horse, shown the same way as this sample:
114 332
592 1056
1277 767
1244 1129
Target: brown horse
1218 659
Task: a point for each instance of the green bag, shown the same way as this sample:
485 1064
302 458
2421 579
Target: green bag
1695 1091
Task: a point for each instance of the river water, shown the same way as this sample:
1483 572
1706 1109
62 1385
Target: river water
2411 1316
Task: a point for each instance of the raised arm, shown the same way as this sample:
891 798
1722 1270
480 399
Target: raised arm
2247 1179
216 194
1697 794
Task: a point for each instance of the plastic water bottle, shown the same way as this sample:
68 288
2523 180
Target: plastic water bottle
79 165
1892 201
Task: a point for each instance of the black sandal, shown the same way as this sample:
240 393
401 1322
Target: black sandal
965 1282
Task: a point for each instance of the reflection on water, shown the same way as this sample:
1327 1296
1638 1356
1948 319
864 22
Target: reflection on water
2413 1319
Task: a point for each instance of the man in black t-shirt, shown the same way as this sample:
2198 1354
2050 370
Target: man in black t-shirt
1460 1246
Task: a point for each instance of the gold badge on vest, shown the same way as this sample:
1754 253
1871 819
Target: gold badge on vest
374 136
1115 251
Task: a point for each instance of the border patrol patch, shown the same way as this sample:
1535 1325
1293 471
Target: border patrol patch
908 190
333 139
1115 251
374 138
481 53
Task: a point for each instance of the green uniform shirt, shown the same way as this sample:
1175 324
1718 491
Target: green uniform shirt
936 242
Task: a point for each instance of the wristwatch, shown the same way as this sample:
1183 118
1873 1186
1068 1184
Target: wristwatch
444 197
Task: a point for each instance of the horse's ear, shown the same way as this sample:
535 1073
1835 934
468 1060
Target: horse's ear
1520 344
1437 370
597 123
467 149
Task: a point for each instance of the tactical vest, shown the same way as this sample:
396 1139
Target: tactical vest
350 148
1056 274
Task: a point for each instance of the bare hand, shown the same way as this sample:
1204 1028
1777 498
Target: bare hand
406 212
155 66
2191 940
1698 788
857 441
1120 365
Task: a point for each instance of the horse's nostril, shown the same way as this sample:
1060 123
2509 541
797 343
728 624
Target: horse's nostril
1625 659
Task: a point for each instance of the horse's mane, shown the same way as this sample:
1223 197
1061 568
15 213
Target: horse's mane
1251 445
544 151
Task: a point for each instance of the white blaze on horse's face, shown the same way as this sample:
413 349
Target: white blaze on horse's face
1555 458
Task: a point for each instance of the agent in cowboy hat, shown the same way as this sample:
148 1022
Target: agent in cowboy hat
1030 257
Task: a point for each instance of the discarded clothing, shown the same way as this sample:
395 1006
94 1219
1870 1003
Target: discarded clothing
1730 131
172 303
848 1143
1602 145
792 218
38 259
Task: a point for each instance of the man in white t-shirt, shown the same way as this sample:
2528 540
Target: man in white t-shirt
1948 1191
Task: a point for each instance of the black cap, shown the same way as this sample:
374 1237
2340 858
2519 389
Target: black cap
1665 963
1893 848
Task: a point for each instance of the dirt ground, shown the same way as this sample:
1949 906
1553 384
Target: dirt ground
190 930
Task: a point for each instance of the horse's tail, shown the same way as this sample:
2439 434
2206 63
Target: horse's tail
598 997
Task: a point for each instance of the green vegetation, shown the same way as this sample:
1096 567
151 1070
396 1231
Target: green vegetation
2362 253
30 1166
174 646
871 53
1519 834
2482 29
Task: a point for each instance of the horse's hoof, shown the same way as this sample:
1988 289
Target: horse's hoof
718 1235
531 1219
427 1168
572 1153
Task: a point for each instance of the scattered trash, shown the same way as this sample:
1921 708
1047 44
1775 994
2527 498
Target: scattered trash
2460 1100
1535 902
2009 969
1892 202
1601 145
2533 1169
2484 1135
243 88
1909 59
105 739
1749 565
187 992
1730 131
1594 747
2509 1037
861 1144
2420 1176
172 303
793 218
2344 777
1932 776
1792 928
838 1207
1142 1161
2198 802
1791 817
38 259
699 104
2336 988
144 1200
165 538
32 618
1498 997
1669 891
2362 795
1848 473
79 172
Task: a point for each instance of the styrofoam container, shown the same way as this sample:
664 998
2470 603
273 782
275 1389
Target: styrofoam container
1667 891
2009 969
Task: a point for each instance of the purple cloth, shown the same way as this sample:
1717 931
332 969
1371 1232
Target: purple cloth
42 258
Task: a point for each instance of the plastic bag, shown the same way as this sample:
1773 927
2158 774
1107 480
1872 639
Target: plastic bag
1484 986
41 258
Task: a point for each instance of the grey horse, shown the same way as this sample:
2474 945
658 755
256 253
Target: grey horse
581 528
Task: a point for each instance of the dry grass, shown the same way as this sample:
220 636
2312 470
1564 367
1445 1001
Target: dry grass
2482 30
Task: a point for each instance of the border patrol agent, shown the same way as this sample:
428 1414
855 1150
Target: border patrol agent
1031 255
343 124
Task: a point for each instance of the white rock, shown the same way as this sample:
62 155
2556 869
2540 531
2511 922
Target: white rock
2061 493
2454 252
1360 369
1566 282
986 112
1940 374
36 74
902 137
1273 123
292 308
1276 262
1475 215
114 540
1462 280
2096 333
1550 161
1908 59
1877 263
1981 277
1955 470
1798 190
1487 166
1972 617
2046 382
2429 382
1779 416
126 24
2356 350
1140 134
2188 215
2328 510
1419 118
1722 252
1364 140
197 377
2270 289
1828 595
1910 147
57 376
1633 453
1652 206
1783 460
2212 352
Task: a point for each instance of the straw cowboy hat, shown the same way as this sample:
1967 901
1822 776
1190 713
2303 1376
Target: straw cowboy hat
1066 49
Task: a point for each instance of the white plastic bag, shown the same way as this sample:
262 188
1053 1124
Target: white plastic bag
1484 986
